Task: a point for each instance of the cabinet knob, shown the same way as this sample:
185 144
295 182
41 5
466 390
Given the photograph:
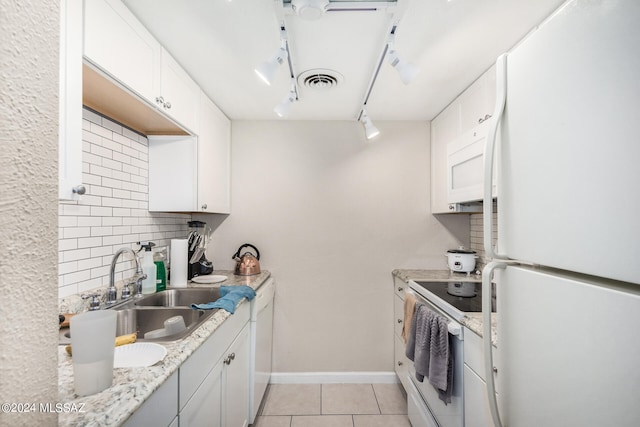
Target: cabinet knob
79 189
451 207
400 289
159 100
204 206
167 105
400 363
229 358
399 320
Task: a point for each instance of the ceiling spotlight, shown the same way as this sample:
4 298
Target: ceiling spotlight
267 70
282 109
370 131
310 9
407 71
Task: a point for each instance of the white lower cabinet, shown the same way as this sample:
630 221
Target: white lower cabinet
214 381
400 360
235 382
476 404
160 409
223 397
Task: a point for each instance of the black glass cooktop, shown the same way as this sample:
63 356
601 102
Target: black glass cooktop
465 304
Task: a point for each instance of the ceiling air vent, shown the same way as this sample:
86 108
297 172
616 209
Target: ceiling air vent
320 79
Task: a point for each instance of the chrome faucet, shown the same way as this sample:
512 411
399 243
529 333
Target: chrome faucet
112 295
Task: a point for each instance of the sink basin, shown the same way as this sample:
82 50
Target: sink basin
149 313
180 297
145 319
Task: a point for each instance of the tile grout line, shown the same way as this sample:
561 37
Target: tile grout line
376 397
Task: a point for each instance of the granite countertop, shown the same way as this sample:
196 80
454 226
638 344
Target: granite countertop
473 321
132 386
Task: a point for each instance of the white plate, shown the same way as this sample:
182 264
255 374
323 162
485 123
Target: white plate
211 278
138 354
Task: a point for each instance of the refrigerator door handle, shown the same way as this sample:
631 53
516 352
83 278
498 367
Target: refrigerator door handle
489 154
487 274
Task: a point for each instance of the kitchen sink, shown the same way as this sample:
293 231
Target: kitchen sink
149 313
179 297
144 320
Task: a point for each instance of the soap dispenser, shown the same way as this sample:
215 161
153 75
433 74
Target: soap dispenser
149 268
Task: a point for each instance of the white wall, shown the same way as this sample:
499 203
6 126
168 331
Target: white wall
333 215
28 207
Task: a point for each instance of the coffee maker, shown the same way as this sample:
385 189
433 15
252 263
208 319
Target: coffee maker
199 234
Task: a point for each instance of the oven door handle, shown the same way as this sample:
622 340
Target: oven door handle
455 330
453 327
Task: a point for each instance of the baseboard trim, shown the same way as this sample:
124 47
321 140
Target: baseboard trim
334 378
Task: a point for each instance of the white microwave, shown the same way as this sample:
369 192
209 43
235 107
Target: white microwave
465 165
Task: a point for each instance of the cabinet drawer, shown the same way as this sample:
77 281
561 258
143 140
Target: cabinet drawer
400 287
473 354
401 362
194 370
398 316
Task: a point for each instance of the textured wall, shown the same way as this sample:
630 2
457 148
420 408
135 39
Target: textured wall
333 215
28 207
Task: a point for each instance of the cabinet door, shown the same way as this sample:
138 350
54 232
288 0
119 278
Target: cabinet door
477 102
70 99
444 128
116 42
214 159
236 382
476 405
179 93
204 408
172 173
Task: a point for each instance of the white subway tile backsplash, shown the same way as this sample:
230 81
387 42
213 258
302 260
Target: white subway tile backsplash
90 242
74 232
114 212
100 171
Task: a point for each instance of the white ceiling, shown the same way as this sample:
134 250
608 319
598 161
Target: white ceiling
220 42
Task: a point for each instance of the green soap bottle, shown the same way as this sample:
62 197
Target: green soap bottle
161 271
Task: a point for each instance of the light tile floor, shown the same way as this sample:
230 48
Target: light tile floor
333 405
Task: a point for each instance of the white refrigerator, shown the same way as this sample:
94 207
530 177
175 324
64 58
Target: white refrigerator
567 262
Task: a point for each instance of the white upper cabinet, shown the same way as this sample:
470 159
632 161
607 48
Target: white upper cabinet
457 147
192 174
120 45
70 101
214 159
179 94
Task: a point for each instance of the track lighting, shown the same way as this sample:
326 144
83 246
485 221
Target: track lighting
282 109
406 70
267 70
370 131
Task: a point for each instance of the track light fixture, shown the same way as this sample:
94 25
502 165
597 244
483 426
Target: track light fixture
282 109
370 131
267 70
407 71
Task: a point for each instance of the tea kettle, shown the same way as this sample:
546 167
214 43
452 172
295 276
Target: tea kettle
247 264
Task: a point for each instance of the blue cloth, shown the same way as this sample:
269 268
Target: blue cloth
230 297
